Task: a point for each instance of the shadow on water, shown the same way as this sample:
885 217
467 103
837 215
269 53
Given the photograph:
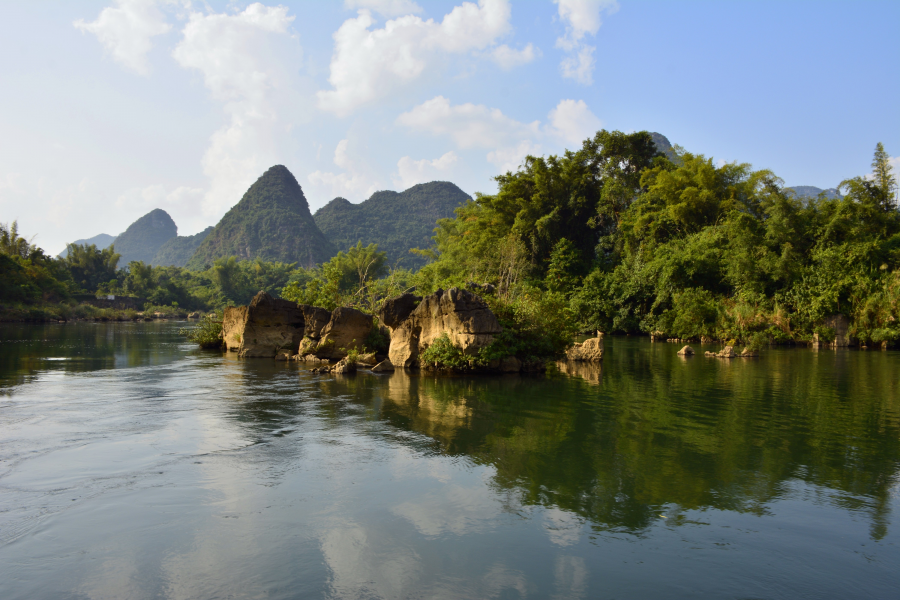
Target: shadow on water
656 431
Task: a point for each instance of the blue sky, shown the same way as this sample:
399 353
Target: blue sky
112 108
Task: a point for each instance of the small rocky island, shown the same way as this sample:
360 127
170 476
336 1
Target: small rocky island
346 339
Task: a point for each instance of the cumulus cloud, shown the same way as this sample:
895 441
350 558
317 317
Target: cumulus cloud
468 125
411 172
126 31
388 8
572 121
248 62
510 141
182 203
508 58
353 182
580 65
582 18
368 64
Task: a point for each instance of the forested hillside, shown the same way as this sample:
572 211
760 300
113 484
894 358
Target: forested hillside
143 238
179 250
272 222
395 221
101 241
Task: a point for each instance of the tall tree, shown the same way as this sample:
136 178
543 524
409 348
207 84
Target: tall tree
883 172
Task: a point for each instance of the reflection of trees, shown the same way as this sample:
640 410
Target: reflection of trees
659 431
81 347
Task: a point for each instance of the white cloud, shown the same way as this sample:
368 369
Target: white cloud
411 172
183 204
579 66
508 58
352 182
368 64
387 8
582 17
478 126
468 125
572 121
249 63
127 30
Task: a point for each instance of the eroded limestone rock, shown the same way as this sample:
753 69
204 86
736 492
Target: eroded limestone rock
264 327
463 316
686 351
590 350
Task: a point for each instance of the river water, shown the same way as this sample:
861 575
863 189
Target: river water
133 465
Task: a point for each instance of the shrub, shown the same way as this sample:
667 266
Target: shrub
443 354
208 333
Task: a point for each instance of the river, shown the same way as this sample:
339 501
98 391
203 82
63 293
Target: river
133 465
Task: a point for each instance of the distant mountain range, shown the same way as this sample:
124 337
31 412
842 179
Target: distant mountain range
101 240
809 191
395 221
273 222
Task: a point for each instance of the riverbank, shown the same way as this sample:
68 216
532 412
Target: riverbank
79 311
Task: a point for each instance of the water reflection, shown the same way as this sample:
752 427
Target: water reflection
200 475
658 433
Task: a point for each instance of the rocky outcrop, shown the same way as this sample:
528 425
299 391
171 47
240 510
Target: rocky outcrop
233 323
264 327
396 310
590 350
347 328
727 352
686 351
463 316
316 319
384 366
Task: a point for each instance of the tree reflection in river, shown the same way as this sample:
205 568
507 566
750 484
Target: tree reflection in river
658 432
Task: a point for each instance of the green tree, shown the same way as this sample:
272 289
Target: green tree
883 172
89 266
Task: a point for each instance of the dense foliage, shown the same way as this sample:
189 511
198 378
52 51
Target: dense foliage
636 242
272 222
177 251
394 221
625 234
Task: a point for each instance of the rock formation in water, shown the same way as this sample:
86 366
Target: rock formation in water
264 327
590 350
346 329
272 222
463 316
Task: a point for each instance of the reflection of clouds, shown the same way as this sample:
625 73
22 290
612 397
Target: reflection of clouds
563 528
501 578
570 577
454 509
363 569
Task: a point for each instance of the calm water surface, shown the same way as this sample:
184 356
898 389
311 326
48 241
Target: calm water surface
134 466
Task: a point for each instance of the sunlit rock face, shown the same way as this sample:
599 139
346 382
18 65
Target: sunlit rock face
264 327
463 316
588 351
